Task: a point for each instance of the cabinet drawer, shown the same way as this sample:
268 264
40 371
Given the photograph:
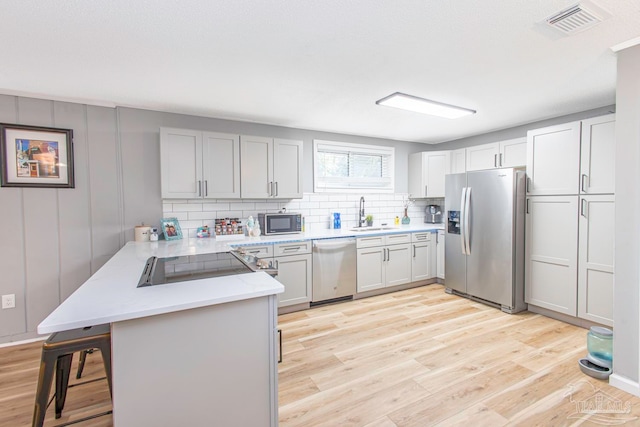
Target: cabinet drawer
368 242
421 237
394 239
294 248
261 251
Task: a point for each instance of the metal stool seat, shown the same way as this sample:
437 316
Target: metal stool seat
57 351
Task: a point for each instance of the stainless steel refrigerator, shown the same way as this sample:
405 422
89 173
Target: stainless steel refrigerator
484 237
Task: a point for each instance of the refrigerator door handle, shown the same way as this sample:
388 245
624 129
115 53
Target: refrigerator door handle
462 220
467 222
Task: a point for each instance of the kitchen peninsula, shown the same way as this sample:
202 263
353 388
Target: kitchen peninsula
203 349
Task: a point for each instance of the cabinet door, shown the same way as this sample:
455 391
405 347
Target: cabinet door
436 166
553 160
458 161
256 167
220 165
287 169
417 184
422 267
294 272
440 255
595 266
370 268
513 153
181 163
483 156
398 265
551 253
598 149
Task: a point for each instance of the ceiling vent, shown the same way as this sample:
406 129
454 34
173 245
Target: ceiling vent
578 18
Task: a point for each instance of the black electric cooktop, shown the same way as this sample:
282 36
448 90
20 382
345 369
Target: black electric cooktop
160 271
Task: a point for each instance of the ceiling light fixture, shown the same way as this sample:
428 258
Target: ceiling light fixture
424 106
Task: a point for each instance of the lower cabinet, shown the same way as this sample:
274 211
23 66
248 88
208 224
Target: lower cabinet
569 255
293 261
440 255
383 261
595 259
423 265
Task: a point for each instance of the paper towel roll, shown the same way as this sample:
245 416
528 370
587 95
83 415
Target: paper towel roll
142 233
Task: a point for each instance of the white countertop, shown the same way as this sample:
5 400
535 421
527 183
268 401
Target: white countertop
111 295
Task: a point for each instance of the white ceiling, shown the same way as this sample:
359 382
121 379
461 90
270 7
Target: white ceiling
317 65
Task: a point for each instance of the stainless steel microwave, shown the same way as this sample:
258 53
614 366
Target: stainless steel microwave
280 223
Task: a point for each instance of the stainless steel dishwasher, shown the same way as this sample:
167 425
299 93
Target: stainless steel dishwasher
334 269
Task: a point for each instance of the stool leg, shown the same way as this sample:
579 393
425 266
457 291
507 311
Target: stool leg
45 378
105 350
63 369
83 358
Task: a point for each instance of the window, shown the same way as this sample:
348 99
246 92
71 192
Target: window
344 167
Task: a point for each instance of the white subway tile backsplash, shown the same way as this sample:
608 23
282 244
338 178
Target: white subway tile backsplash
315 207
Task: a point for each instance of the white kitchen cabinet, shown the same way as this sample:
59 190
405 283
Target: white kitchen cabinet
440 255
551 253
196 164
503 154
423 261
294 264
553 160
383 261
458 161
597 155
270 168
426 173
595 259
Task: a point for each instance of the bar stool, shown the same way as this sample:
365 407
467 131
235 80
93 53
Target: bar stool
57 351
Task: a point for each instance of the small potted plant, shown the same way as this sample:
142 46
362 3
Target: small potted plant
369 219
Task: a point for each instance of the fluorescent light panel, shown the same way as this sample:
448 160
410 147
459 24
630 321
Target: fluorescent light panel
424 106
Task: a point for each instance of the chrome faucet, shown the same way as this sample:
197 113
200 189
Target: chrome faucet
362 219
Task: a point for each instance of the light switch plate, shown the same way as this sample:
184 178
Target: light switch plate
9 301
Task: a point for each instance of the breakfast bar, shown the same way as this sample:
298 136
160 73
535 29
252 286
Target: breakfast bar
200 352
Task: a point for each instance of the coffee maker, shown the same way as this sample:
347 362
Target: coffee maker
433 214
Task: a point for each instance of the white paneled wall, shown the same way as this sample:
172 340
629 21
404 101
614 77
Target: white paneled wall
316 208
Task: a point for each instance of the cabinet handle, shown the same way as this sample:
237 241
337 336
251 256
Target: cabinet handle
384 254
582 208
414 251
280 339
528 186
199 188
527 209
495 160
425 190
206 188
277 264
388 255
292 248
582 183
500 159
276 193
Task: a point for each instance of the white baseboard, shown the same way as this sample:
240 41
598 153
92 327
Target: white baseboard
624 384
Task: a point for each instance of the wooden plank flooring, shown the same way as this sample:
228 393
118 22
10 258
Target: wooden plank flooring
418 357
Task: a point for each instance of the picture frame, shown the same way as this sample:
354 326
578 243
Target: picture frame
36 156
171 228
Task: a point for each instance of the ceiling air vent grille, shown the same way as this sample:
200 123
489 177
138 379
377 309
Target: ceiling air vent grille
577 18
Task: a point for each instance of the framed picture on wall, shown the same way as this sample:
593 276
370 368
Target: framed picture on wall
34 156
171 228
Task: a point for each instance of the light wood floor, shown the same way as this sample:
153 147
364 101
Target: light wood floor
413 358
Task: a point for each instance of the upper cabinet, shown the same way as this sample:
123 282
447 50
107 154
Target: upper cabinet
196 164
459 161
426 173
270 168
504 154
597 155
553 160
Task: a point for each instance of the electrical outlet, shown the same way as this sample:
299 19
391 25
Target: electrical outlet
9 301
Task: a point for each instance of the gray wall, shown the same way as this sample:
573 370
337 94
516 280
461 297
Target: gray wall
626 318
54 239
